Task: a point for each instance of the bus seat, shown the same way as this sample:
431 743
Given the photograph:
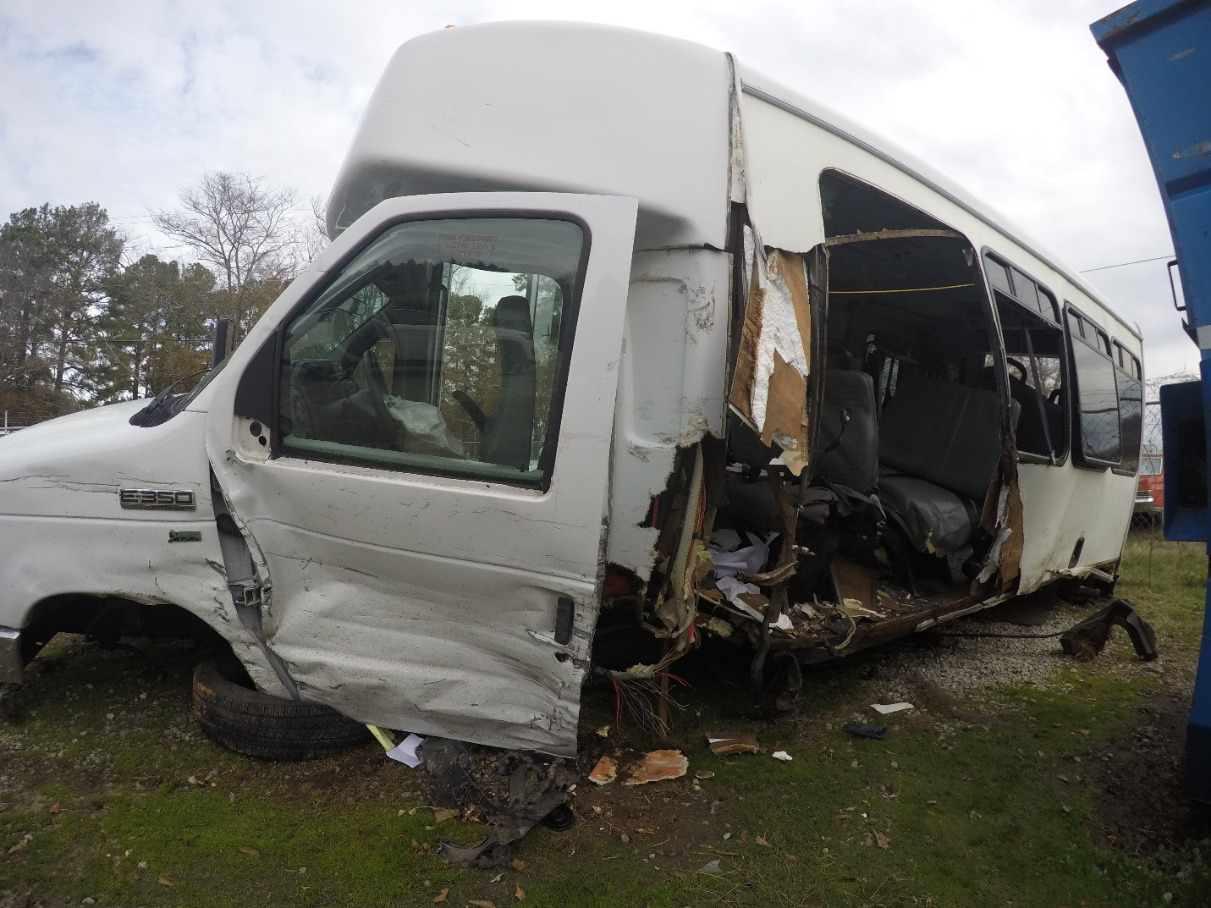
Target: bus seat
939 446
849 431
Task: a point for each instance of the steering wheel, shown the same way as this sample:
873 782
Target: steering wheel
1017 364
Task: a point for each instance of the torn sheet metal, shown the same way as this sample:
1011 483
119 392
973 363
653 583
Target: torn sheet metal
769 383
513 792
671 386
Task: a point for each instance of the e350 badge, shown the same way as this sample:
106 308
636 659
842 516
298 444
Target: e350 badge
158 499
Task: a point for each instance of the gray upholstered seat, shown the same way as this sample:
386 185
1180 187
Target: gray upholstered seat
939 446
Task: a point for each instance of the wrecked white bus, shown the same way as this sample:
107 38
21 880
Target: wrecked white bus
596 349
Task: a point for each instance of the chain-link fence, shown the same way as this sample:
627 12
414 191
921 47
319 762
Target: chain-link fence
1153 443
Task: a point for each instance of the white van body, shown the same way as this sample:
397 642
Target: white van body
700 243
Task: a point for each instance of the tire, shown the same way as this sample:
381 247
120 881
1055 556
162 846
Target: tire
261 725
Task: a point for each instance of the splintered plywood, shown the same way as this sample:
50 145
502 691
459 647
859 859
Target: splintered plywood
855 581
769 383
786 413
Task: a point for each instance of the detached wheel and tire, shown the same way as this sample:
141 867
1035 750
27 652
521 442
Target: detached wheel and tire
250 722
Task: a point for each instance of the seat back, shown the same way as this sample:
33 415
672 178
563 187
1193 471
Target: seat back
948 434
509 431
849 431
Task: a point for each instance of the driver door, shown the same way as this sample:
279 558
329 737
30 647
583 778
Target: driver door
417 452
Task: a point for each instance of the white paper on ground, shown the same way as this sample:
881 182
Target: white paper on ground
886 708
406 751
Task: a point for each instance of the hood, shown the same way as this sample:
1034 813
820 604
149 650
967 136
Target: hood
75 466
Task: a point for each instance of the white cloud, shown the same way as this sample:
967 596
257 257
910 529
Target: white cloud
125 103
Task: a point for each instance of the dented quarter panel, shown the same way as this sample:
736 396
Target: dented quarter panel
428 603
670 386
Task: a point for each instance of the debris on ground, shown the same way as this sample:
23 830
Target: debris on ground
658 766
887 709
409 751
605 772
721 744
513 792
863 730
782 755
1087 639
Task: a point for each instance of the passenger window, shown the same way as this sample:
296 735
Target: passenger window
1131 408
1097 423
1034 355
441 348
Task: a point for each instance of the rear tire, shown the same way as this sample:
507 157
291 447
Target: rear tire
261 725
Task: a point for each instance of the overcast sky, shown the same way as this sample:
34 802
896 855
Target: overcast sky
126 103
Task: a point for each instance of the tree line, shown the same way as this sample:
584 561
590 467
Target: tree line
84 320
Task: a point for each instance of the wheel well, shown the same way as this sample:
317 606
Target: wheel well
109 619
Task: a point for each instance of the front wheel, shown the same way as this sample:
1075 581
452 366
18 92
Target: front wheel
261 725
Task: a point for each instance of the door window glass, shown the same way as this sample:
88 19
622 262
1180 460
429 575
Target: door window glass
441 348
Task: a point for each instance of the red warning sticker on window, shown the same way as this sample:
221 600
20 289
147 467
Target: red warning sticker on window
465 245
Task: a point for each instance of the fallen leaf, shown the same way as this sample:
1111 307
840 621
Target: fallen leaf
603 732
789 856
481 903
441 814
248 849
882 841
17 847
1063 779
760 840
519 893
441 896
703 774
517 864
163 880
1067 809
496 879
54 808
931 811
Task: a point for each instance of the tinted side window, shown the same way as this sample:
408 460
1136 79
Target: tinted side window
1097 411
1131 406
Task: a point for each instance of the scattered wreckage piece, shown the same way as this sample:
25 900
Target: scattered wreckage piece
886 709
1086 639
513 792
865 730
658 766
743 743
605 771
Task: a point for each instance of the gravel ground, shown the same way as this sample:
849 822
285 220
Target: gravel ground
955 664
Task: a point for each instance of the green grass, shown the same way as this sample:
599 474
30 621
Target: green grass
968 795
